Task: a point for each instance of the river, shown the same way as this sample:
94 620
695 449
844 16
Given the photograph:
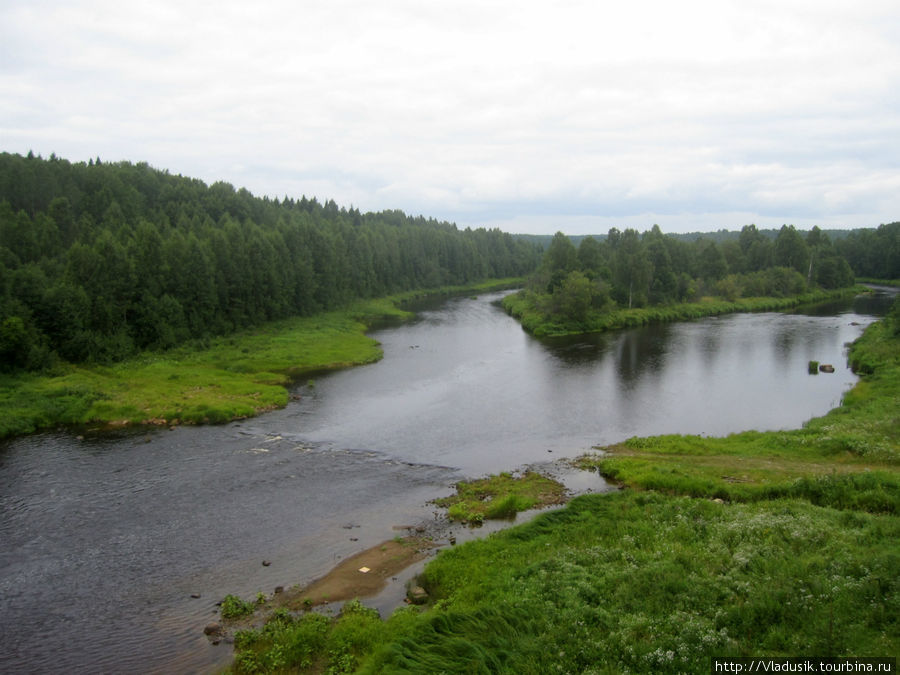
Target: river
105 537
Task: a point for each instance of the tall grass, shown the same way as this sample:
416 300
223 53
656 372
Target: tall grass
523 307
628 582
642 582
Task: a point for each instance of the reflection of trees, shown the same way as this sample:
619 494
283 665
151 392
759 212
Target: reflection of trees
875 304
641 351
579 350
635 352
791 344
710 344
783 344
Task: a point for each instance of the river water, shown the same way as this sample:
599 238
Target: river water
104 537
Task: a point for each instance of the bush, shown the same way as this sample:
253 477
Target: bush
233 607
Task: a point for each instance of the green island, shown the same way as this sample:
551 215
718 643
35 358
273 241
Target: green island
501 496
629 280
776 544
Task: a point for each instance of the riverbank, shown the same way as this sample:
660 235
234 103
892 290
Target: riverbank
215 381
846 459
523 307
770 544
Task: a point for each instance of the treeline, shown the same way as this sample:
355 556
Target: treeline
101 260
627 270
871 252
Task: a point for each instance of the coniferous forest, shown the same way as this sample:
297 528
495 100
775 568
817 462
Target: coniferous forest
100 260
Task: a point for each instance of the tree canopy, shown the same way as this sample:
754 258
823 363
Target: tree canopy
627 269
100 260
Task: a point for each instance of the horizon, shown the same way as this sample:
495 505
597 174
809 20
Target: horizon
322 199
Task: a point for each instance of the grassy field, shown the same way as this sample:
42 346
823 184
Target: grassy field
757 544
223 379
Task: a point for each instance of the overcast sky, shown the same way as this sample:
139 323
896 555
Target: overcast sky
528 116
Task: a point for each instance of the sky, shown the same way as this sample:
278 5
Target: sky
533 117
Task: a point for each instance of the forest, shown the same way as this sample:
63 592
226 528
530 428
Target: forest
100 260
575 286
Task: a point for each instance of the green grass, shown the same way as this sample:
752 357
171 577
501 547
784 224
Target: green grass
523 308
878 282
234 608
630 582
224 379
233 377
500 496
644 582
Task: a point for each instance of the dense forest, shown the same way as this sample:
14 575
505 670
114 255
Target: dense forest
626 269
100 260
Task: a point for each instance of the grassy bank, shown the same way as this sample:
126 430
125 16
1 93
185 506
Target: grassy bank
630 582
849 458
219 380
878 282
765 544
522 306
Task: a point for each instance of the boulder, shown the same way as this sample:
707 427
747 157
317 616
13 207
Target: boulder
418 595
213 629
826 368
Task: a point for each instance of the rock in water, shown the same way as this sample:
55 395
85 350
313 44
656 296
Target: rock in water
418 595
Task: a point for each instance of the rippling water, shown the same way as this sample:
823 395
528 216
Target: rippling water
104 538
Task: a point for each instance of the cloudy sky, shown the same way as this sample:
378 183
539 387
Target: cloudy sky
528 116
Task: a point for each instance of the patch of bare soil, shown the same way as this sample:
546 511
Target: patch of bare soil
359 576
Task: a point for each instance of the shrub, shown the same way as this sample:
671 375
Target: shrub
233 607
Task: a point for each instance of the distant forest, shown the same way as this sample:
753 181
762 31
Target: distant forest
626 269
871 252
101 260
